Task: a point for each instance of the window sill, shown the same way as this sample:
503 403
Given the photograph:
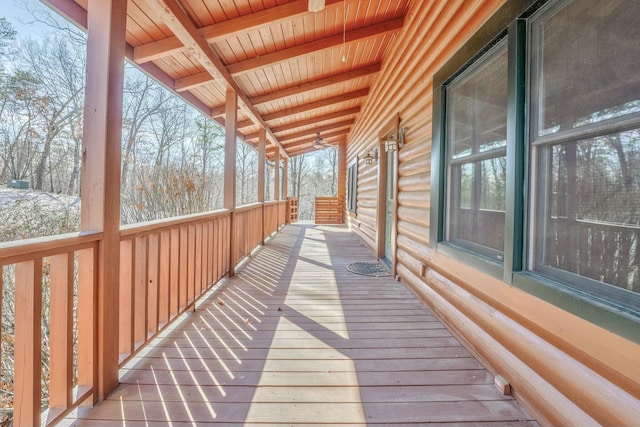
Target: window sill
608 316
474 260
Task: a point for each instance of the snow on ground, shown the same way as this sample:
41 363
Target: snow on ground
11 196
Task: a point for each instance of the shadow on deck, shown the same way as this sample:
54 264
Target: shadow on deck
296 339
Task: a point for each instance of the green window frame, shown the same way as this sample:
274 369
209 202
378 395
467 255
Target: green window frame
529 199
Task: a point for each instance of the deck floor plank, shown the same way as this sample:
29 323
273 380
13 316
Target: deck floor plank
295 339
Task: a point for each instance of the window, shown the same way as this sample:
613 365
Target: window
536 154
352 187
476 143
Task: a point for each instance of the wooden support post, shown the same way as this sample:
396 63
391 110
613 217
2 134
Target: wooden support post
285 178
101 173
230 131
262 154
276 177
342 178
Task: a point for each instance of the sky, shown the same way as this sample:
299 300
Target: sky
21 20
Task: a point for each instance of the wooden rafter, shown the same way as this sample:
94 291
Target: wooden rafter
316 84
190 82
312 121
172 13
313 132
318 104
315 120
216 32
315 46
303 149
326 137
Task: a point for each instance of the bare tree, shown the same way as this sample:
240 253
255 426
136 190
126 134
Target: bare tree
60 67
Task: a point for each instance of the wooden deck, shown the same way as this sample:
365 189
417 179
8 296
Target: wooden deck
295 339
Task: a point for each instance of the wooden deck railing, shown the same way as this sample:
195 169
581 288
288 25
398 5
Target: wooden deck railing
247 227
270 218
165 266
329 210
282 212
47 268
292 209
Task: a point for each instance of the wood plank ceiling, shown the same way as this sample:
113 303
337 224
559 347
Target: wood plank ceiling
296 72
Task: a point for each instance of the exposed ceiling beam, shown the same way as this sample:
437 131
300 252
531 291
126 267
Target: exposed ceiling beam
306 141
171 12
213 33
313 132
218 111
315 120
195 80
244 124
309 148
315 105
316 84
315 46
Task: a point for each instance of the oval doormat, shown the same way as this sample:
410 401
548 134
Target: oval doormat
375 269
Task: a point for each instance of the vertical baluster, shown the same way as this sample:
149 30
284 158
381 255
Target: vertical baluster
215 250
191 257
174 282
1 292
28 343
198 260
87 325
140 297
212 252
223 246
153 283
184 246
227 240
127 295
204 276
164 278
61 331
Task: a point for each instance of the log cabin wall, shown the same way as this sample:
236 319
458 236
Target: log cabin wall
565 369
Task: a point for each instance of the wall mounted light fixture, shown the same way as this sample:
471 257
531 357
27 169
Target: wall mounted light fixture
371 156
394 141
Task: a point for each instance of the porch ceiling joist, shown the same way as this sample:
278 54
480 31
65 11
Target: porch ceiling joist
171 12
297 151
187 83
312 121
318 104
327 137
213 33
316 84
315 120
316 46
313 132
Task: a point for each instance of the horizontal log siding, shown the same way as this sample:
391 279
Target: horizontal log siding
568 364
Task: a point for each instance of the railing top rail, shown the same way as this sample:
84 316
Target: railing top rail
248 207
40 247
134 230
